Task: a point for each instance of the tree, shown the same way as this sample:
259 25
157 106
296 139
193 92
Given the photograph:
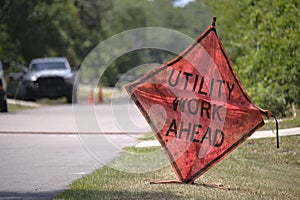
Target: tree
41 28
130 14
263 42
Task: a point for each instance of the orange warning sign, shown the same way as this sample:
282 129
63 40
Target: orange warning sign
197 107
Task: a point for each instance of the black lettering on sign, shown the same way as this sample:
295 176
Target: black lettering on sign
217 134
197 106
205 106
230 88
212 87
177 78
200 91
181 103
216 111
172 128
190 132
221 82
195 83
193 106
194 132
207 136
204 86
187 75
182 129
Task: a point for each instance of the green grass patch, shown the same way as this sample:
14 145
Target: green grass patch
255 170
83 94
17 107
269 125
147 136
282 123
47 102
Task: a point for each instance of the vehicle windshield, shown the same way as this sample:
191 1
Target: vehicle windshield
48 66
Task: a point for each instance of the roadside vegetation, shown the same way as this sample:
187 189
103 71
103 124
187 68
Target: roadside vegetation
282 123
17 107
255 170
261 38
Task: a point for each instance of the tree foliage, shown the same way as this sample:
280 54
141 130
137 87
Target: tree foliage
39 28
261 37
263 42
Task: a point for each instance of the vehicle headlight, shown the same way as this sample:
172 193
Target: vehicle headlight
1 85
29 83
69 80
33 78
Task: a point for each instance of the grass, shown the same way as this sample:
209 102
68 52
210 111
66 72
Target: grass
16 107
84 93
269 125
147 136
283 123
47 102
255 170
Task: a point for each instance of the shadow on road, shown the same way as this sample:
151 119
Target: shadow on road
100 194
29 195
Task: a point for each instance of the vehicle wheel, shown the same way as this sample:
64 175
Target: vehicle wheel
24 94
72 98
3 106
29 97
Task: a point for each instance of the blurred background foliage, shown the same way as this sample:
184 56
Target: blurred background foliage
261 37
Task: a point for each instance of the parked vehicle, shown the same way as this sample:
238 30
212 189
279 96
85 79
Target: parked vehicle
3 99
44 78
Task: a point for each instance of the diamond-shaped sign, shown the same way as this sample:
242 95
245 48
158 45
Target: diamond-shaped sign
197 107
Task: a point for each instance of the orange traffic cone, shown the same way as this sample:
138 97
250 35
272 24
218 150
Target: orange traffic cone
91 96
100 96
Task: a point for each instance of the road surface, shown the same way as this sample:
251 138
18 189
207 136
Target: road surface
41 166
43 150
82 118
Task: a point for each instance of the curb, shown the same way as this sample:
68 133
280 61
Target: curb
23 103
256 135
63 133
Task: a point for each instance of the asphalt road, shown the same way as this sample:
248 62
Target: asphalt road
82 118
45 149
35 166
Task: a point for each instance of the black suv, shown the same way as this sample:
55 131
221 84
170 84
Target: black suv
44 78
3 100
